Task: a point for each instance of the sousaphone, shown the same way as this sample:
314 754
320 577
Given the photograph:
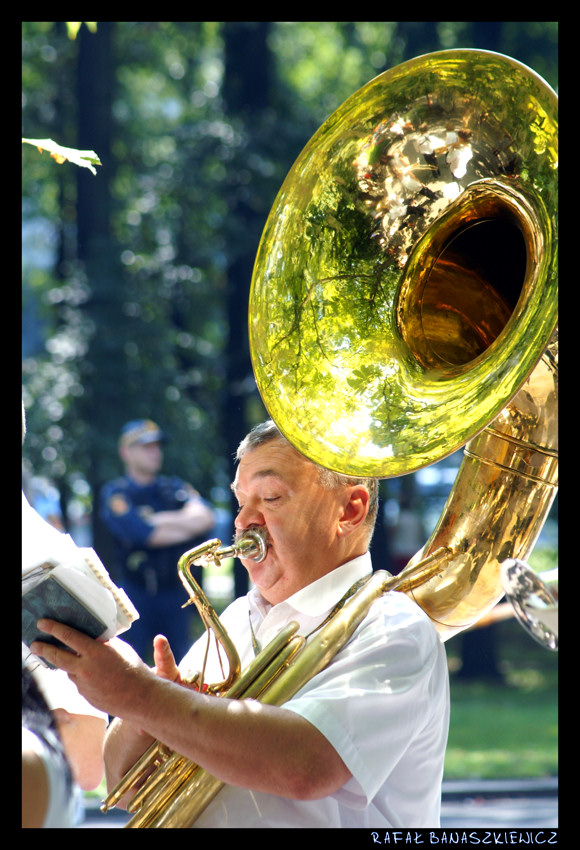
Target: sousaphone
404 304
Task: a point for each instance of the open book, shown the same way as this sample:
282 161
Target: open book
64 582
81 595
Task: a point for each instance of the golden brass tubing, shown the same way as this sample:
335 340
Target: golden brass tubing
150 759
498 504
196 794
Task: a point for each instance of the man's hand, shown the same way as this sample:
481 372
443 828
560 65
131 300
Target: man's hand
108 674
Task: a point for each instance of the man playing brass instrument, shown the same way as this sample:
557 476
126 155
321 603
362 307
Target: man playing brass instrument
362 744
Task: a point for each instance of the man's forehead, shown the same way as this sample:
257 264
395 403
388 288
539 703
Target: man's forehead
271 460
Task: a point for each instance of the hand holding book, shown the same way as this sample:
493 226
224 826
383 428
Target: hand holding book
73 587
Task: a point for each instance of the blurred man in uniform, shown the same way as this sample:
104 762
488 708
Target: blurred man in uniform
153 520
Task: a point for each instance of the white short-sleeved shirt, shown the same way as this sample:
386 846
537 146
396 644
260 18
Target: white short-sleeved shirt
383 703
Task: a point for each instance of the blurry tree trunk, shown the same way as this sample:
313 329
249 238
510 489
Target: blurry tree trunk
479 649
246 90
65 251
103 384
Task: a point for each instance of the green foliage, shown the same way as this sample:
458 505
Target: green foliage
190 176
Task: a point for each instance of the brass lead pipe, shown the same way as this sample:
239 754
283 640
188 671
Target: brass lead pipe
251 545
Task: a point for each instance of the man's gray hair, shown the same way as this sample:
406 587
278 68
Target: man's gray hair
268 431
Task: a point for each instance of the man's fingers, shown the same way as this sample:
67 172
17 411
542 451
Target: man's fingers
58 657
76 640
61 657
164 659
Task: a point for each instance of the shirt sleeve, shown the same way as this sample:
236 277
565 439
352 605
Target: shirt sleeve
60 692
375 697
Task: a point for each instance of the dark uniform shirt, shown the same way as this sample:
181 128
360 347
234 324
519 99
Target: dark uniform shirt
125 507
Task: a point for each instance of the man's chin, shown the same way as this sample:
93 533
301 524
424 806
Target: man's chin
258 572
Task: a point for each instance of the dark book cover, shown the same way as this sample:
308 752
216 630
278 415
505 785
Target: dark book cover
50 599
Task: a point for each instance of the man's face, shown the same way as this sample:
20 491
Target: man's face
278 488
143 459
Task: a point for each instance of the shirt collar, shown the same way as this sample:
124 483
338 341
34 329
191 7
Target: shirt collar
321 595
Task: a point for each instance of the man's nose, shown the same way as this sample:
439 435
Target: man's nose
247 516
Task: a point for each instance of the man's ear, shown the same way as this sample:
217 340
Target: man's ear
355 509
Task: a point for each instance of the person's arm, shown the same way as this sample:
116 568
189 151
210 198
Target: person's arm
242 742
127 523
47 800
81 727
170 527
83 736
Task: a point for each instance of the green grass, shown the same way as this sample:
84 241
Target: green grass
508 730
